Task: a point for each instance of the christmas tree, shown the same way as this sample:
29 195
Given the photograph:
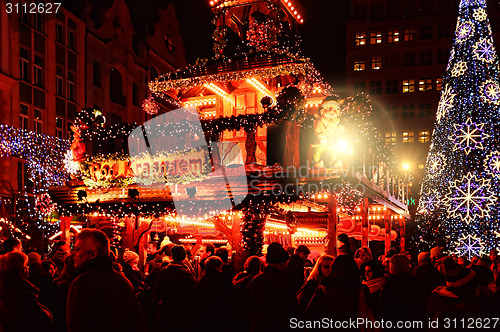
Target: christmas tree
458 207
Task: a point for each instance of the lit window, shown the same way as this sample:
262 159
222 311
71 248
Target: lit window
390 138
359 65
425 84
376 62
393 36
408 86
424 136
375 37
408 137
439 83
409 34
360 39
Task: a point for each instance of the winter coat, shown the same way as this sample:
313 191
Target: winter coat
270 301
101 299
305 294
20 309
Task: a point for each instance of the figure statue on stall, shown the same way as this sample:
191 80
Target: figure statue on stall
328 132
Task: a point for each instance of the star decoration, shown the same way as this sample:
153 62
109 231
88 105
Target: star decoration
71 166
464 31
468 136
469 198
429 202
491 92
459 69
492 164
446 102
436 163
480 14
484 51
470 246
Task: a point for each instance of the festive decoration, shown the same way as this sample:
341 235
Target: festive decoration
460 189
470 246
45 205
446 103
468 136
492 164
150 106
348 199
470 198
71 166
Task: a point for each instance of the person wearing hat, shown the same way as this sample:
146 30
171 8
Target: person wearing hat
131 269
270 301
458 298
345 247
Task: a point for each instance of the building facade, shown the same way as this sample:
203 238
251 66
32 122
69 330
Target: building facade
88 54
397 52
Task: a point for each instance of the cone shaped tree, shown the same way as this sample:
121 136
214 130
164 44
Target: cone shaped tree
458 207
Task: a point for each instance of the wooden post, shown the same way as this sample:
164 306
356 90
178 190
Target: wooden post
331 240
65 226
365 226
291 156
388 229
402 232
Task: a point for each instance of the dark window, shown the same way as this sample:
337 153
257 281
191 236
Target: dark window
444 30
71 39
38 71
425 58
376 12
60 107
391 61
39 98
426 32
135 95
391 86
72 110
360 12
359 87
425 110
71 60
25 92
392 111
408 111
39 41
408 59
96 72
116 88
37 21
60 55
375 87
59 33
442 56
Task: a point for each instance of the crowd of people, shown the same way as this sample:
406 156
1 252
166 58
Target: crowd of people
180 288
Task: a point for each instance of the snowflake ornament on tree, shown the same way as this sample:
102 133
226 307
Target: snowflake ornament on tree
446 103
480 14
470 246
484 51
436 163
470 198
491 92
429 202
492 164
468 136
464 31
459 69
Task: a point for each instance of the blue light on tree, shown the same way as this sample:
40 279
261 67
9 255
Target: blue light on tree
462 174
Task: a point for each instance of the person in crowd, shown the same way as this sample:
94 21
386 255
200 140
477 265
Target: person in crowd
295 271
363 255
374 278
61 285
59 252
340 295
204 251
386 258
494 261
436 256
12 244
400 298
211 293
131 270
270 301
290 250
484 275
227 268
462 260
99 298
320 271
312 258
458 298
428 277
49 268
345 245
19 306
172 292
251 268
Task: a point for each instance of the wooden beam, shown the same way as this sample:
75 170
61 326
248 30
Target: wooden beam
331 240
365 226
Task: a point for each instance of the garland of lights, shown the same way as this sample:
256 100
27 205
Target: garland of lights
349 198
44 204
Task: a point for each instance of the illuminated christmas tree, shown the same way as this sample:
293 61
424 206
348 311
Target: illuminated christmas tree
462 176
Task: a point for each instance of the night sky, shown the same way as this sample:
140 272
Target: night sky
323 34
